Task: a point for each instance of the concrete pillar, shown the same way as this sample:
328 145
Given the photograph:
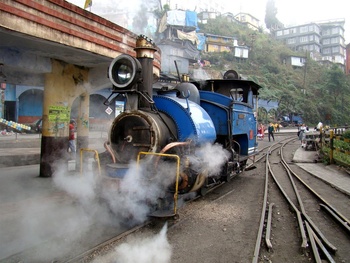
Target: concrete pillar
83 123
62 86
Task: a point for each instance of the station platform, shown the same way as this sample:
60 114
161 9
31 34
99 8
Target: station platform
334 175
34 209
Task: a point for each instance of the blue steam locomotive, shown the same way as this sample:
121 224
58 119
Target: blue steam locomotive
186 138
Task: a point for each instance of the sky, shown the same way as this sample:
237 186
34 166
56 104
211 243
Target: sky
298 12
289 12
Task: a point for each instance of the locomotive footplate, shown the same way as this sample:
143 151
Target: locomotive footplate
165 207
164 214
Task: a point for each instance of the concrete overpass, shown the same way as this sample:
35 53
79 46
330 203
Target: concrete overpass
67 50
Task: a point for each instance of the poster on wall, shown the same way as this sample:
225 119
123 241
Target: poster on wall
59 114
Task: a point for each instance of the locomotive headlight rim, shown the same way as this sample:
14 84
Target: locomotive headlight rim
124 71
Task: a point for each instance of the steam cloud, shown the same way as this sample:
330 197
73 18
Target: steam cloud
96 202
149 250
140 189
211 158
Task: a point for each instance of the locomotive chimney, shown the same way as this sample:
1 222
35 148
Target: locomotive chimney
145 49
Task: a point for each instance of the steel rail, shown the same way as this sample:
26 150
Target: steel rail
344 219
81 256
333 212
336 217
304 243
301 205
263 211
268 227
313 244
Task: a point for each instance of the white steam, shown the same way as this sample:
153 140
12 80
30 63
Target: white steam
211 158
134 196
130 199
149 250
145 249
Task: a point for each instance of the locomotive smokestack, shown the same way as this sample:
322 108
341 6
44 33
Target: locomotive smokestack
145 49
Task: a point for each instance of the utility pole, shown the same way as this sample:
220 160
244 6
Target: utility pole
304 81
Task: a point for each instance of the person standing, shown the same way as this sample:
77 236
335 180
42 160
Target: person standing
302 135
270 131
71 142
319 126
261 131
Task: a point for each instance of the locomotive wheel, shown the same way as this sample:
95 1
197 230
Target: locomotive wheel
227 177
203 191
176 217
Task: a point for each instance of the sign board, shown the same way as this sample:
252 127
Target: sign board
59 114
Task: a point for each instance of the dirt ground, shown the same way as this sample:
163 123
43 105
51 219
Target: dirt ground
221 229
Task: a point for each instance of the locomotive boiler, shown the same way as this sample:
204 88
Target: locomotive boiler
193 136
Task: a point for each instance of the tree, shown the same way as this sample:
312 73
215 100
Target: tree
271 20
335 83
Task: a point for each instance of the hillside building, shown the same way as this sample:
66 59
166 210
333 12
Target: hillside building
324 41
248 20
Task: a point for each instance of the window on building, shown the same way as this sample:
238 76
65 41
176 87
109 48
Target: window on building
291 41
311 28
311 38
304 29
335 30
335 49
279 33
326 51
334 40
326 41
303 39
286 32
326 32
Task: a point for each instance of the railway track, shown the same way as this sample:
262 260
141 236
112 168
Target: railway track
294 227
222 226
321 231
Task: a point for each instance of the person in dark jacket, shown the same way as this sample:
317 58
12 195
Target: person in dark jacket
270 131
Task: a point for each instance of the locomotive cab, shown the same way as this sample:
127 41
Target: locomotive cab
231 104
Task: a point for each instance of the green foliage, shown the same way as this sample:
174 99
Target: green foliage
338 157
346 135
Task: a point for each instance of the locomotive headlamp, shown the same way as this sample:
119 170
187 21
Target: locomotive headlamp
124 72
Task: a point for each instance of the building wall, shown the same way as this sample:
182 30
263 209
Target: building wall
170 54
324 41
249 20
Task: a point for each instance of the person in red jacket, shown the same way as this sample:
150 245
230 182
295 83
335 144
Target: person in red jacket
71 143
